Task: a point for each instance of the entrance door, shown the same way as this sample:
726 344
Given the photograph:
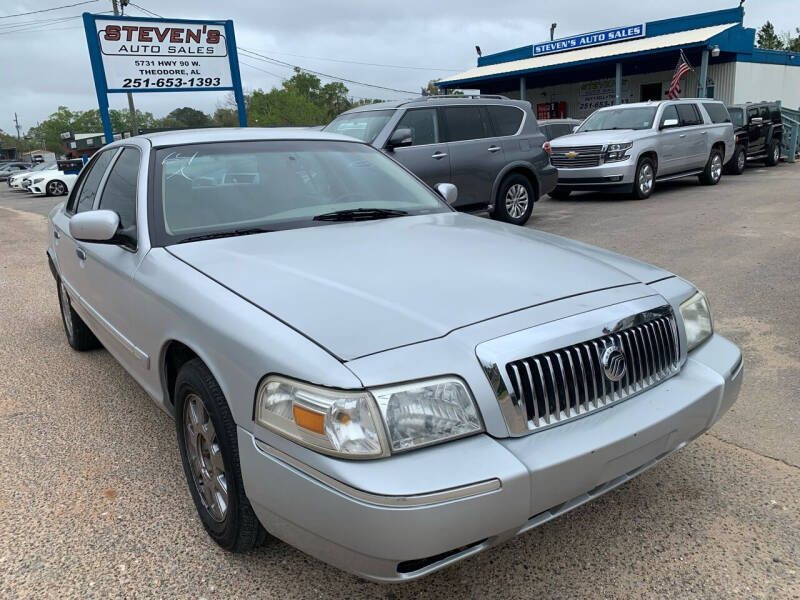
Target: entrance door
650 91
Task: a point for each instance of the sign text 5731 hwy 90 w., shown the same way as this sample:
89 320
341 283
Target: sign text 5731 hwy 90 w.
146 55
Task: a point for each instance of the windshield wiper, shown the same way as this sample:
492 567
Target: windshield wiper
222 234
360 214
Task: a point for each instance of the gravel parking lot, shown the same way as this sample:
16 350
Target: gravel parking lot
93 501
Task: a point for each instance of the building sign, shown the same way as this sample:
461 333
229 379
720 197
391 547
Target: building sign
597 94
144 55
137 54
596 38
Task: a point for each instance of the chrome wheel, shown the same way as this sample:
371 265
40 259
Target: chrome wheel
56 188
205 457
66 309
776 154
517 201
646 178
716 167
740 161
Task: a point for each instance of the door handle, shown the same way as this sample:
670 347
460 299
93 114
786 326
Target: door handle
683 135
438 155
56 234
81 253
703 133
494 148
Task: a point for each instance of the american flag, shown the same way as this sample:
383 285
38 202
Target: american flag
681 69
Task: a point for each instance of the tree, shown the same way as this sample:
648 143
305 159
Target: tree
184 118
768 39
792 44
432 89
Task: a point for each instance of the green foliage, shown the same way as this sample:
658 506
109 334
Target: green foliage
768 39
186 117
792 44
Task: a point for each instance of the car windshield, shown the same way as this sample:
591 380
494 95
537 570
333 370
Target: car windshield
634 117
235 187
737 116
365 125
45 166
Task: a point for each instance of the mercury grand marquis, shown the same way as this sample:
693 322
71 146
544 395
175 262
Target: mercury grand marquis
357 369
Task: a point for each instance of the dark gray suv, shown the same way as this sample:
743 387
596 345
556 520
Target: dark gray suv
489 147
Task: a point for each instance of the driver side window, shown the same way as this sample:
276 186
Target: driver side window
84 199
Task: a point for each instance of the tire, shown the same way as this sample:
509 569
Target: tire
55 188
644 179
738 162
559 194
209 453
515 199
713 171
79 336
773 154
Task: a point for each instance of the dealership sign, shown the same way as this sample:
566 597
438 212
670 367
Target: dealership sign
135 54
596 38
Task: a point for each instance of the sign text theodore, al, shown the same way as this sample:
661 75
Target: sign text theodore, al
595 38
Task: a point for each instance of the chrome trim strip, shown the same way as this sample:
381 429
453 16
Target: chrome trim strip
137 352
437 497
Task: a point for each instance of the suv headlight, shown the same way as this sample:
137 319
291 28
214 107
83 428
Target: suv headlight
348 424
617 152
696 315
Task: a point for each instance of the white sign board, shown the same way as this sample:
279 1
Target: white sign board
163 55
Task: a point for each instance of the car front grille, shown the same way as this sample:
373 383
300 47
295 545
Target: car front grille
574 157
567 383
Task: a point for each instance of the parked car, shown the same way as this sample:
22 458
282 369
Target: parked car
631 147
22 181
758 128
349 363
52 183
488 146
553 128
12 168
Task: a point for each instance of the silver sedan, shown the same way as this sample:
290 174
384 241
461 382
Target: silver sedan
357 369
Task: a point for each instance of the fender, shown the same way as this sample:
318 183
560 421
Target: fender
775 131
517 164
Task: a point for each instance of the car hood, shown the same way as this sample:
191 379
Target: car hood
364 287
597 138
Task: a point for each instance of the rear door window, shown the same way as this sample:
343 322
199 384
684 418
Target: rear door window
84 199
717 112
505 119
465 123
689 115
424 126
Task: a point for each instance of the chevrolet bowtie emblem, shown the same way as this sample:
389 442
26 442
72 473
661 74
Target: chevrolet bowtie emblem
571 154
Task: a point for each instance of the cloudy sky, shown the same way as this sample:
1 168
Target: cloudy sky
44 61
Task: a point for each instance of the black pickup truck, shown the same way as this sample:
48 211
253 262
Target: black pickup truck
759 130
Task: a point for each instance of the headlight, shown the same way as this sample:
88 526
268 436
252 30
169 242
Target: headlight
696 316
38 180
426 412
333 421
617 152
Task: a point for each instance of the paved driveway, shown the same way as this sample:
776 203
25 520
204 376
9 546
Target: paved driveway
93 502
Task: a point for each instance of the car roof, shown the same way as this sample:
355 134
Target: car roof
235 134
754 104
557 121
656 103
439 101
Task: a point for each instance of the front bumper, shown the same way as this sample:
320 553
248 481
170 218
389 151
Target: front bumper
37 188
402 517
614 174
548 179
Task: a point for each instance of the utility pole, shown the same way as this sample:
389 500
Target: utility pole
16 124
131 107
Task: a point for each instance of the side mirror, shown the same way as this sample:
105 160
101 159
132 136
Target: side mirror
667 123
575 129
399 138
447 191
94 226
756 121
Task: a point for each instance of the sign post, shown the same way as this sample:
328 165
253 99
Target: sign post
138 54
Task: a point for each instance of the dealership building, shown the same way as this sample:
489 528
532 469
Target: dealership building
571 77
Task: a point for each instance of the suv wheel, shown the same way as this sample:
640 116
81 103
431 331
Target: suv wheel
644 179
515 200
713 171
773 153
737 164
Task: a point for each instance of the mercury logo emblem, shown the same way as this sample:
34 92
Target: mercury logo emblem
613 363
571 154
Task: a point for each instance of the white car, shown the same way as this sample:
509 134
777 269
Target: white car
17 182
51 183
